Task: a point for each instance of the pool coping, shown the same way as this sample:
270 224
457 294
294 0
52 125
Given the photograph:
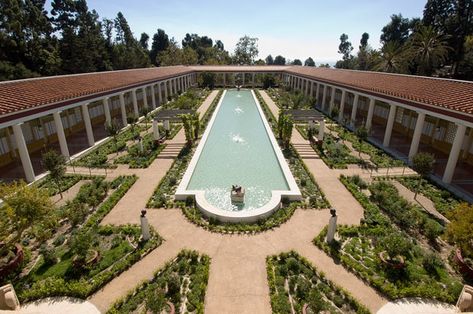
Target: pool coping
209 210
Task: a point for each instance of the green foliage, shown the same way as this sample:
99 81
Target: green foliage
154 295
395 245
442 199
359 248
407 216
246 50
62 279
306 286
23 207
423 163
56 165
460 228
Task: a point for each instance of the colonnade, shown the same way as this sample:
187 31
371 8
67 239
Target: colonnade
163 89
319 89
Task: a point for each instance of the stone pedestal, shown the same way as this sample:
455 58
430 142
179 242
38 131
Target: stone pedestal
166 125
144 226
155 130
332 226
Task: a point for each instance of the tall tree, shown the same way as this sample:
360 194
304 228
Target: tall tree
398 29
429 49
56 165
309 62
127 51
246 50
279 60
453 18
269 60
363 52
296 62
160 43
391 58
345 48
144 41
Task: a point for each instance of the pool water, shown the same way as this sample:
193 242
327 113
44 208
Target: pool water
238 151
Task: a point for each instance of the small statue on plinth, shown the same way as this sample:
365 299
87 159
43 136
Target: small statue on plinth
332 226
144 226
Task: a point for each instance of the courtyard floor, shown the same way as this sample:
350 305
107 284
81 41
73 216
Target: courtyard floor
237 281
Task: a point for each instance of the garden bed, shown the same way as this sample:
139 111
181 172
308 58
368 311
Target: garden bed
377 156
137 159
358 249
97 157
443 200
68 181
83 257
295 285
182 282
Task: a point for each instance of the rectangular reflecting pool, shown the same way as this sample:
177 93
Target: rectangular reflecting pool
238 148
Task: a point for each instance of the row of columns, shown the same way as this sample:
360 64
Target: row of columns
303 84
180 83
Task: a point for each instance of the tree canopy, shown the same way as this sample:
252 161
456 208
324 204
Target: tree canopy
246 50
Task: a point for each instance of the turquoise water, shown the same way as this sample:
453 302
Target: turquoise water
238 151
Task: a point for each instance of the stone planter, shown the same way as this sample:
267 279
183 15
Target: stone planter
465 269
172 310
391 263
92 260
14 263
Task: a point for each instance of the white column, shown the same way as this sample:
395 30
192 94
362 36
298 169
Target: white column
369 117
224 79
389 125
145 98
316 93
417 134
253 79
165 91
153 97
106 109
324 95
135 103
307 87
342 106
155 130
311 88
123 109
60 134
88 124
23 152
160 97
354 110
454 154
320 136
332 100
243 76
174 84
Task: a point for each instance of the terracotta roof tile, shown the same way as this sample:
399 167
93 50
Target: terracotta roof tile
449 94
30 93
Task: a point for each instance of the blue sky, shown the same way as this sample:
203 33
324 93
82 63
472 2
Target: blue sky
294 29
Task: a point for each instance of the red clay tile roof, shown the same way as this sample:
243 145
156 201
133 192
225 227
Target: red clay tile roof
27 94
25 97
443 93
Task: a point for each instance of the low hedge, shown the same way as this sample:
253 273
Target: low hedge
275 220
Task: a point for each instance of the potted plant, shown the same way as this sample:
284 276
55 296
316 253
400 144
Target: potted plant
23 208
394 249
458 232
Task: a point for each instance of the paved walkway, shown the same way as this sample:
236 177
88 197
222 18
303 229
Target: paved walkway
57 305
